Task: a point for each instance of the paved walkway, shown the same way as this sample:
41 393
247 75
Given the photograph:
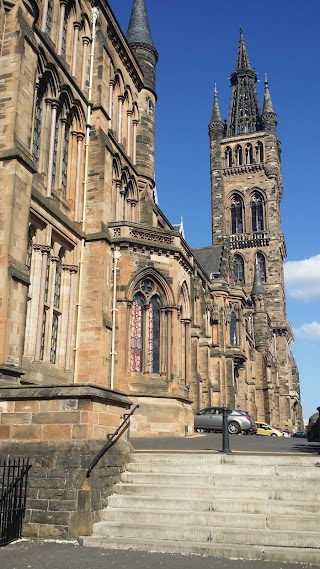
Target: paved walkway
53 555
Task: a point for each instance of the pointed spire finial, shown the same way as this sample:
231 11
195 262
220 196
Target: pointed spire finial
216 115
243 61
267 103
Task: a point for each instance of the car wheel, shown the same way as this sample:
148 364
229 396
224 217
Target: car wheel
199 430
273 435
234 428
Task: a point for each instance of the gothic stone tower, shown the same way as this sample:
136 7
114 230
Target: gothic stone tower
246 189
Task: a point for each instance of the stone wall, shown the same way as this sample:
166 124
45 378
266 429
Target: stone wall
61 430
61 502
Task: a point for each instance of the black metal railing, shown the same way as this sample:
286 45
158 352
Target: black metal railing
111 440
13 495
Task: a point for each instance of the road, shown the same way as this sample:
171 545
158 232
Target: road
212 442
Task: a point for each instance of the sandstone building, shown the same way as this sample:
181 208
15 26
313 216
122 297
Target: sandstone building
100 293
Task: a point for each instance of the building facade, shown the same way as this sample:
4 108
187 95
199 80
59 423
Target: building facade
97 287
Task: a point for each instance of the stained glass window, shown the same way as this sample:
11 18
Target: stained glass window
136 333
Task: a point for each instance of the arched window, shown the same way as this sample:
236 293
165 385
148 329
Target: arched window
37 128
153 335
262 265
145 329
228 157
249 154
259 152
238 269
136 333
257 213
238 155
233 330
236 215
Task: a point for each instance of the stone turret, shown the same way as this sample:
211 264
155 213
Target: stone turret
141 43
142 46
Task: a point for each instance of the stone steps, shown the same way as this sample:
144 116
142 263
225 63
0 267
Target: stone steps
246 506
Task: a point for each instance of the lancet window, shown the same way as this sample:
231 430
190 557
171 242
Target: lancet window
257 213
262 265
145 329
236 215
238 269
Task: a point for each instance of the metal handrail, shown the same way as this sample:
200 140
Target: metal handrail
110 442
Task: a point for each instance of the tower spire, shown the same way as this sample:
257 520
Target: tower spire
139 28
244 114
141 43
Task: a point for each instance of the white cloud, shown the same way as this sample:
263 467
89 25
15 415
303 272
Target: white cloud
302 278
308 331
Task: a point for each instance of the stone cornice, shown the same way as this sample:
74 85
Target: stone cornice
74 391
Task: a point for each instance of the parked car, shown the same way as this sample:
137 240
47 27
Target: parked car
211 418
300 434
265 429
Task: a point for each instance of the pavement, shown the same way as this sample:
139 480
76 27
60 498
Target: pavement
65 555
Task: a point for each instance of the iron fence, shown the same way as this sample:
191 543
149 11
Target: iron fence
13 494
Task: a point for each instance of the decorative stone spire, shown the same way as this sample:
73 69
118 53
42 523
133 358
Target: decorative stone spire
216 126
140 40
257 288
244 115
269 117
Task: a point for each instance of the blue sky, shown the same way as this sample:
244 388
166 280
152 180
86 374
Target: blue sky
197 44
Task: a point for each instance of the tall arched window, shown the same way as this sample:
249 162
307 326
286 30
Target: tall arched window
249 154
238 269
136 333
238 155
145 329
262 265
236 215
259 152
257 213
37 128
228 157
233 330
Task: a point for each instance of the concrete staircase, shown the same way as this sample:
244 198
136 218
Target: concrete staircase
221 505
